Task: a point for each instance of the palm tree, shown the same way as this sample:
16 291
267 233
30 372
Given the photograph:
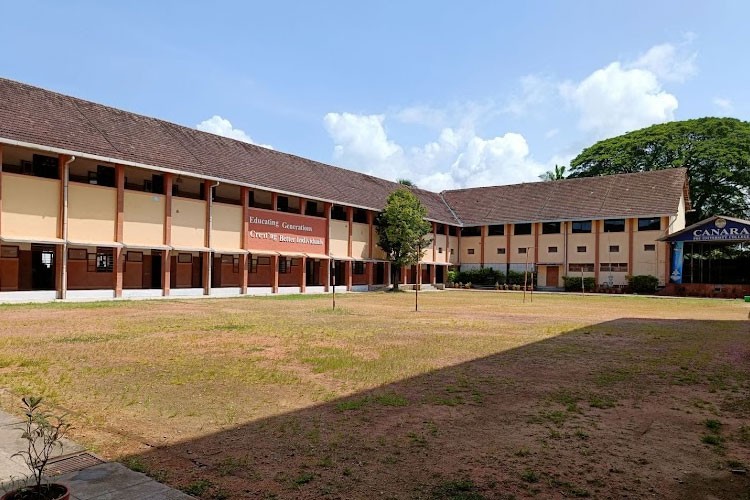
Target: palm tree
554 175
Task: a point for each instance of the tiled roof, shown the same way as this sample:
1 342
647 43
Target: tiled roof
40 117
642 194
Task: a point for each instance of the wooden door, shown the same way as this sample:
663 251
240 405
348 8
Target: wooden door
553 276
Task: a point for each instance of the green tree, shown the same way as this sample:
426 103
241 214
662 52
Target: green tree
554 175
402 231
716 152
406 182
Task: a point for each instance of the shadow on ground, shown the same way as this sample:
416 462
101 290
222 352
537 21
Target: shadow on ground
614 410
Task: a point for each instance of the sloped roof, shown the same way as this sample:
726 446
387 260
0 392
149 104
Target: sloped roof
40 117
642 194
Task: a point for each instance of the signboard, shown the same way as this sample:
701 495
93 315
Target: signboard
676 275
283 232
718 229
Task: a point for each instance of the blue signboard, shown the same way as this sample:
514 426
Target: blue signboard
676 274
717 229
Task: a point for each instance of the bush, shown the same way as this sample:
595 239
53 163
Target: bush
516 277
452 276
643 284
483 277
573 284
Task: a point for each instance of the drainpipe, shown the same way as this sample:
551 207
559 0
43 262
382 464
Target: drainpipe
64 277
208 235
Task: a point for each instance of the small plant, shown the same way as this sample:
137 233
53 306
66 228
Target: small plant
530 476
43 433
712 439
198 488
712 425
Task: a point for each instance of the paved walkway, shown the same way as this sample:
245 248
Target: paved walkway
100 481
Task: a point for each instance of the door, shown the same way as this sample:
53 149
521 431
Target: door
553 276
155 279
42 267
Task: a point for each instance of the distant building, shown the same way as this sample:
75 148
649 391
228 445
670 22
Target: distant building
96 202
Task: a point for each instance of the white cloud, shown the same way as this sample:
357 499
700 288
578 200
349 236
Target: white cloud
422 115
625 96
221 126
667 62
456 158
614 100
535 90
724 104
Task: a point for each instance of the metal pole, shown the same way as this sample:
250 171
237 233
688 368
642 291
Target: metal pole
419 280
525 274
333 278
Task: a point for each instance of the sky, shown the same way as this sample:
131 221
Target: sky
445 94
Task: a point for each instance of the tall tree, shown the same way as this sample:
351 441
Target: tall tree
554 175
716 152
402 231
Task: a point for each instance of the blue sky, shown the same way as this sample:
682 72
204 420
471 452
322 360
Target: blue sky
447 94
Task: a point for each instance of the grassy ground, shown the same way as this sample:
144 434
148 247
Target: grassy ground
476 396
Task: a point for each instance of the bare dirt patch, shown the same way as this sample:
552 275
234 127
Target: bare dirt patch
477 396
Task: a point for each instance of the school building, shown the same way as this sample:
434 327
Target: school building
97 202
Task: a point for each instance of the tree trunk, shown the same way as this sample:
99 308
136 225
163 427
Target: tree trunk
395 276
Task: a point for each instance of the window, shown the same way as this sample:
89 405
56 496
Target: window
522 250
614 226
105 260
360 216
581 268
522 228
76 254
501 251
134 256
552 250
7 252
440 249
311 208
285 265
45 166
338 212
620 267
452 230
185 258
452 251
440 228
470 251
551 228
496 230
614 248
649 248
359 267
253 265
471 231
649 224
581 249
581 226
282 204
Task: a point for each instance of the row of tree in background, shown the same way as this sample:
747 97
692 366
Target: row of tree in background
716 152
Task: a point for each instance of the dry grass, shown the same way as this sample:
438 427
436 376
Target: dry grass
179 375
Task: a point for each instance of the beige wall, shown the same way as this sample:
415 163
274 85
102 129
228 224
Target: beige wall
491 257
377 252
91 213
467 243
575 240
440 242
360 240
551 240
648 262
143 219
339 238
31 206
226 230
188 223
517 242
453 252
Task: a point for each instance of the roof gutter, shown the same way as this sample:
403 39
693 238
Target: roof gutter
64 235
